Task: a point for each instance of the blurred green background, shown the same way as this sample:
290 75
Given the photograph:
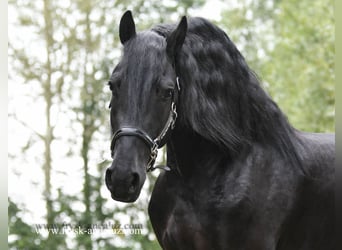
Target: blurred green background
60 56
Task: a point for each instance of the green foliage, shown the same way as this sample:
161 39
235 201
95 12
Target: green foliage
300 69
290 45
25 236
22 233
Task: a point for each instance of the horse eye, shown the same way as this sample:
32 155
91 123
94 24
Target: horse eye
114 86
168 93
110 84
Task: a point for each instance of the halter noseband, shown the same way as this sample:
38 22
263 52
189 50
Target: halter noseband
153 144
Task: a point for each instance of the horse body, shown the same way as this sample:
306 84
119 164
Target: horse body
241 176
253 202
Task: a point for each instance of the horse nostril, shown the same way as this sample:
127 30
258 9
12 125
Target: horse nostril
108 179
134 183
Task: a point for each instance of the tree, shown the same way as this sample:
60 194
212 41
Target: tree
290 45
39 70
21 234
301 75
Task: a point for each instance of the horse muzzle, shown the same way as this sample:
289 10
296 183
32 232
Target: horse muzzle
126 176
123 187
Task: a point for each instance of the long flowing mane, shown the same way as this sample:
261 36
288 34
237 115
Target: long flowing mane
221 97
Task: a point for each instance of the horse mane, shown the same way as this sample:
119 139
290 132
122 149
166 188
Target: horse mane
221 97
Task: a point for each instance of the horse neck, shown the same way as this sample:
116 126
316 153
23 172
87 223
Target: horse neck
192 155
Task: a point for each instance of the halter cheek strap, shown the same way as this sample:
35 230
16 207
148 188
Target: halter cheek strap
153 144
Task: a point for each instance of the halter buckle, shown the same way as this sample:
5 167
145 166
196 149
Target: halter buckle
178 85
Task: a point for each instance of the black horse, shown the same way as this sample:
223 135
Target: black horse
238 175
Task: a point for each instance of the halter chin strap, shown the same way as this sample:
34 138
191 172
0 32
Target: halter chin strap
153 144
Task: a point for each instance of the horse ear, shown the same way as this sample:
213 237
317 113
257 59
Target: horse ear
127 27
176 39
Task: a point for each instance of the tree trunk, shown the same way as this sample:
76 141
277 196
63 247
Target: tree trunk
48 137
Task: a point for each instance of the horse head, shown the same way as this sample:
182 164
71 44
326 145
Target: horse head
145 89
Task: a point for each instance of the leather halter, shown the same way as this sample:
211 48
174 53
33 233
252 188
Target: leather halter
155 143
